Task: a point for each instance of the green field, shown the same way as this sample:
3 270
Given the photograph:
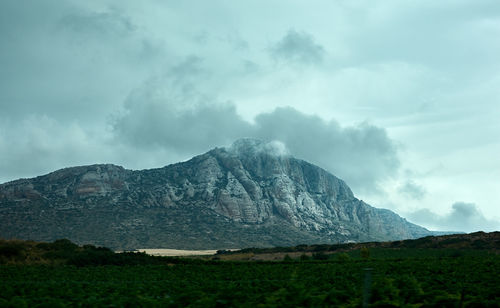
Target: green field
397 274
412 282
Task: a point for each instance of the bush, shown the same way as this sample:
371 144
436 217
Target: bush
320 256
343 257
11 249
365 253
62 244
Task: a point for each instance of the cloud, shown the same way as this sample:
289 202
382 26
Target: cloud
464 217
362 155
158 124
108 23
298 47
174 113
40 144
412 190
69 60
251 146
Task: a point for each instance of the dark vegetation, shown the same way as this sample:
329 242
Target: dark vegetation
477 240
420 273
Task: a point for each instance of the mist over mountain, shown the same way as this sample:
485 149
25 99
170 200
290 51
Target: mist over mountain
249 194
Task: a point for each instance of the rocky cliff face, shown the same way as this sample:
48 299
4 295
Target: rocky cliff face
251 194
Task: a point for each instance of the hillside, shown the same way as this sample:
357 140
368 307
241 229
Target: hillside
429 246
63 251
247 195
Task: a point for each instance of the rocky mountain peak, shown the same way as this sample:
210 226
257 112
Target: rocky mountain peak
252 193
270 161
97 171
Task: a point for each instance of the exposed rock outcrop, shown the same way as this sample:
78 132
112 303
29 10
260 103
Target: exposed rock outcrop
251 194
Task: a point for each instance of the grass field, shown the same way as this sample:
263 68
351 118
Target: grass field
63 274
466 281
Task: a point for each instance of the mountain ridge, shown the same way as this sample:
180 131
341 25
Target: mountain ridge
250 194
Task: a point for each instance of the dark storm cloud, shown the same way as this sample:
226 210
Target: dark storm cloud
173 113
191 131
412 190
298 47
463 217
362 155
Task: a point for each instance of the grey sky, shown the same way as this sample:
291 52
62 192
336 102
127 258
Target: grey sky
463 217
398 98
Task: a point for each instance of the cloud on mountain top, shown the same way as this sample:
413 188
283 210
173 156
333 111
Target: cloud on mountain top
173 114
362 155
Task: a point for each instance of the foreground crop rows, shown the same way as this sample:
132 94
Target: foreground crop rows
448 281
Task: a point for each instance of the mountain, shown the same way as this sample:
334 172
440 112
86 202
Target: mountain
251 194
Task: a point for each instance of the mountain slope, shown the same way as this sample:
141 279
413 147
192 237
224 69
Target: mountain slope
247 195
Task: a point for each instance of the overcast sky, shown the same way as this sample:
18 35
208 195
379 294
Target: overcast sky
401 99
